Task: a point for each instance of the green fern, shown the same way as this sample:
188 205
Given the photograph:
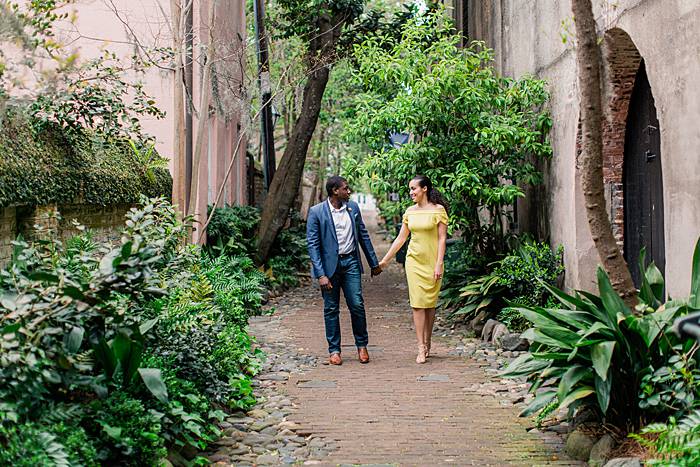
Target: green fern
58 413
676 443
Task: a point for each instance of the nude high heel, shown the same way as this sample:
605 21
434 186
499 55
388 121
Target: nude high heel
421 353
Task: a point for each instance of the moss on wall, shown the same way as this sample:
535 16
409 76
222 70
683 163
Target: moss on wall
49 167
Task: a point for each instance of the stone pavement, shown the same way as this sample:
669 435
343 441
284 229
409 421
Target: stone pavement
391 411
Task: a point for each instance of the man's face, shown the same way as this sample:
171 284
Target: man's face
343 192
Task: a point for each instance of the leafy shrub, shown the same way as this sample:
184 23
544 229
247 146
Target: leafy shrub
232 230
83 321
31 444
416 82
519 279
595 351
674 387
127 431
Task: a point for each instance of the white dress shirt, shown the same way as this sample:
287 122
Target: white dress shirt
343 228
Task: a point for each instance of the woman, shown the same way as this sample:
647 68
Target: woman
426 221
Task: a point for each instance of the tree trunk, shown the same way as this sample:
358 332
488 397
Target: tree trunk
588 59
285 184
179 188
200 217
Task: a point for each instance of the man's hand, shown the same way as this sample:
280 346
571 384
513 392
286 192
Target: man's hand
325 283
376 271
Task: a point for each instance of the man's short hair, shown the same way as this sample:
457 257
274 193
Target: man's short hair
336 181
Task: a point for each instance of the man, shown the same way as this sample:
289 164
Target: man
334 233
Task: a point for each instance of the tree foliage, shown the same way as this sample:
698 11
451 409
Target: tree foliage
474 133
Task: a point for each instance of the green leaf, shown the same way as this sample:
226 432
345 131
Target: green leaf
105 355
541 400
602 390
573 396
147 325
524 365
695 278
612 303
121 346
112 432
74 339
650 326
154 382
577 319
572 376
132 363
601 354
126 249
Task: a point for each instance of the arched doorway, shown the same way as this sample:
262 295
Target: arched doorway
642 179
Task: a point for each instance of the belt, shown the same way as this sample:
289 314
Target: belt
347 255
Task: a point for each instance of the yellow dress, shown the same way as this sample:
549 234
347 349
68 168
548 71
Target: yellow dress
421 257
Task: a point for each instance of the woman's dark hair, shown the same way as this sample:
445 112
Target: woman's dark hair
336 181
434 196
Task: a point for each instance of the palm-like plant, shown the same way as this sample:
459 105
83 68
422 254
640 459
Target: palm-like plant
594 351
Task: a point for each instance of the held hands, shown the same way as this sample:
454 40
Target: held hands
325 283
376 271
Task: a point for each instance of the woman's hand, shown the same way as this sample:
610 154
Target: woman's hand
437 275
383 264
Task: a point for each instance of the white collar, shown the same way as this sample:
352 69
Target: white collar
333 209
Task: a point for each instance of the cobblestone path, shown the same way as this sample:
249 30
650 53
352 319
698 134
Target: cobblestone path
390 411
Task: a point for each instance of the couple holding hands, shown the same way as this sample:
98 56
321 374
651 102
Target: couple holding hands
335 232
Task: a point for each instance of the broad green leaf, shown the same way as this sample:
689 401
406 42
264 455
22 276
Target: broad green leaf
612 303
550 341
121 347
524 365
105 355
131 364
154 382
578 319
695 278
602 389
567 337
74 339
650 326
541 400
656 281
575 395
569 380
600 328
601 354
573 302
147 325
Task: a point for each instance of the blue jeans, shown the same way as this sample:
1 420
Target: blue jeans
346 277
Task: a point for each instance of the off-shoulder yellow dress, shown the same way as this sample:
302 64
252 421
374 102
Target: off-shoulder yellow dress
421 257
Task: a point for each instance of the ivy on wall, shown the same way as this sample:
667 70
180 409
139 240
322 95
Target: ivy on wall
39 168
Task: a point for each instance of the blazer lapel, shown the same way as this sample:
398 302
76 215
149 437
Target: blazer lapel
329 216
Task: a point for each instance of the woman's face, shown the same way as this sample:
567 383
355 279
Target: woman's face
416 191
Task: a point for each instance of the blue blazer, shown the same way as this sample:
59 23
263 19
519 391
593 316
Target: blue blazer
323 242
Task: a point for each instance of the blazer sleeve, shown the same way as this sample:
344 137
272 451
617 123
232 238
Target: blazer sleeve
365 241
313 243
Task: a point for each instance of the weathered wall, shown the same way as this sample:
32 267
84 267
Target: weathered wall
527 38
104 222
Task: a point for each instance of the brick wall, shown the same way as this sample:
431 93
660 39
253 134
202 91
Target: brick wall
34 222
622 61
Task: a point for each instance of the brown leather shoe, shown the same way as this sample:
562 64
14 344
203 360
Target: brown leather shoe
363 354
335 359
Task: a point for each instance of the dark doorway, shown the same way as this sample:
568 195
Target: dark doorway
642 180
